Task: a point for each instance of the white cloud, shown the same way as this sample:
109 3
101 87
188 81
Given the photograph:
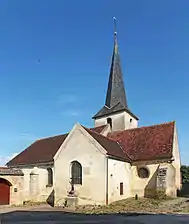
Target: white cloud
27 136
68 98
71 113
5 159
69 101
74 113
2 160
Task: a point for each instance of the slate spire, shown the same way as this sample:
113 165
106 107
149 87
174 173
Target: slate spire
116 100
116 91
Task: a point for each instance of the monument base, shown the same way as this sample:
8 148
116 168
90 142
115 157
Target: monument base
71 201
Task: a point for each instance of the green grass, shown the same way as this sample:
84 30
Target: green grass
142 205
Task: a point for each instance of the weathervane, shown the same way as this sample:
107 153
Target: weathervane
115 34
115 30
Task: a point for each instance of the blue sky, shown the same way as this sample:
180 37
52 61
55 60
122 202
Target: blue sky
55 59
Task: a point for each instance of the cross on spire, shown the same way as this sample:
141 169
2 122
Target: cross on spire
115 30
115 34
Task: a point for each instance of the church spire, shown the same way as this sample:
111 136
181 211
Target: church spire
116 100
116 91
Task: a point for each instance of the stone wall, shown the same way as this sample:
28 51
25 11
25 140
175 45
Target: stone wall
16 188
81 147
119 175
36 187
144 186
120 121
161 179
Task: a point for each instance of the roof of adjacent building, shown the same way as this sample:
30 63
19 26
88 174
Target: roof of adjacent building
139 144
10 171
41 151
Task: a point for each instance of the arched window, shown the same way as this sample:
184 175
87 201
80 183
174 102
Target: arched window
50 177
76 173
109 121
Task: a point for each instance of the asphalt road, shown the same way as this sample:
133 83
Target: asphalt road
56 217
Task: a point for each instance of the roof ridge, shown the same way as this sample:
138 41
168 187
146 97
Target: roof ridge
110 141
142 127
101 126
100 134
115 105
43 138
125 152
165 123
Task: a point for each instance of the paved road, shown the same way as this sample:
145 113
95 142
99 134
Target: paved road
57 217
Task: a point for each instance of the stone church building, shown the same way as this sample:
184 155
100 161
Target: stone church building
115 159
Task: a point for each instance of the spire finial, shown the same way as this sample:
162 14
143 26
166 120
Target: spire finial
115 36
115 30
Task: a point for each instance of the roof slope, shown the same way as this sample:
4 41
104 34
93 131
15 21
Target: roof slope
116 89
147 143
43 150
112 147
40 151
117 108
99 129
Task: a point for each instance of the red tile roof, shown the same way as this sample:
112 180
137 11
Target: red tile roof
40 151
98 129
147 143
112 147
43 150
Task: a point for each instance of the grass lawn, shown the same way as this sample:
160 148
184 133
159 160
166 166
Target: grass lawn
142 205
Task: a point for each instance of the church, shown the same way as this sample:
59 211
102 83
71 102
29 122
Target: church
114 160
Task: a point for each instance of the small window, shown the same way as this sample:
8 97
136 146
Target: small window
131 120
109 121
76 173
143 172
50 177
121 188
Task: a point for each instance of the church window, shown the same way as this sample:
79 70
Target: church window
131 120
109 121
143 172
76 173
121 188
50 177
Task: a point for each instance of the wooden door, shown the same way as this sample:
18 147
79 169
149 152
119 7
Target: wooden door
4 192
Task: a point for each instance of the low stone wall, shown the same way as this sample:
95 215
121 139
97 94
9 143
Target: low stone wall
16 188
15 177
